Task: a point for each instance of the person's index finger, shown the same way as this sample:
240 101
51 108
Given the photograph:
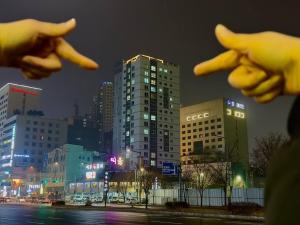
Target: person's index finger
66 51
224 61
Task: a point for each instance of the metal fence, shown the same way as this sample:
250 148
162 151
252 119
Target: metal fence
211 197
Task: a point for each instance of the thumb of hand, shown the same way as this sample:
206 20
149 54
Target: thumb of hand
57 30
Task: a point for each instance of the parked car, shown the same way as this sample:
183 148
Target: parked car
113 199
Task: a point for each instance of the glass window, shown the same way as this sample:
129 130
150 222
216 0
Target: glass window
146 116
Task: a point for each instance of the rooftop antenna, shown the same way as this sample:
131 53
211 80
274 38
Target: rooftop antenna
76 108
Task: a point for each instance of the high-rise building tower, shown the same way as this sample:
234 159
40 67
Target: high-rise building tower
146 111
17 99
102 113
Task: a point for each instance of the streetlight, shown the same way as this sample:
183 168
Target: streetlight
137 166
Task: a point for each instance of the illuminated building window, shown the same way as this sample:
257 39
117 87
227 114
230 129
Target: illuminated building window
153 117
153 75
153 68
146 73
146 80
153 82
152 162
146 131
153 89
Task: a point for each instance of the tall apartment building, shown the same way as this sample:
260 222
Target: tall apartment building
217 125
146 111
17 99
102 113
26 142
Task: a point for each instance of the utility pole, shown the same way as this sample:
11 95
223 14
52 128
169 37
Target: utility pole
179 180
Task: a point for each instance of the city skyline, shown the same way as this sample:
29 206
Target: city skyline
186 37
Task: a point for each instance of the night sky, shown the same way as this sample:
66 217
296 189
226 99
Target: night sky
177 31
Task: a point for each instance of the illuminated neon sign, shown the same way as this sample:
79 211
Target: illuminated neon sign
234 104
197 116
95 166
90 175
116 160
19 90
235 113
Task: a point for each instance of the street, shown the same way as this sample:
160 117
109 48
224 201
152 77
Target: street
30 215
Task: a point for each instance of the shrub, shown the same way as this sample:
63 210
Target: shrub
244 207
56 203
175 205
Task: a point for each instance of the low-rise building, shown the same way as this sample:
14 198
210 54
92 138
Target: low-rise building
66 164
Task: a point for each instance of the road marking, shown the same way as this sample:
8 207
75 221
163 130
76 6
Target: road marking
154 221
33 222
55 218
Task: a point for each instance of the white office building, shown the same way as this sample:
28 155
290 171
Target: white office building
146 111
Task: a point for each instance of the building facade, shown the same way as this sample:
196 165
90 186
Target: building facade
25 143
102 113
215 126
66 164
17 99
146 111
82 130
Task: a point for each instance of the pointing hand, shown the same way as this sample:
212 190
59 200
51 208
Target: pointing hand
264 65
37 47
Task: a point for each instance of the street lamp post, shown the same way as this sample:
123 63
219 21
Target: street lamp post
138 168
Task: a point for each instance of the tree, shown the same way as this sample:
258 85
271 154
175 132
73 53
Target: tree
263 151
124 182
147 178
221 169
202 178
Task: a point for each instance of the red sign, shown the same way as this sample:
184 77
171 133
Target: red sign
19 90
